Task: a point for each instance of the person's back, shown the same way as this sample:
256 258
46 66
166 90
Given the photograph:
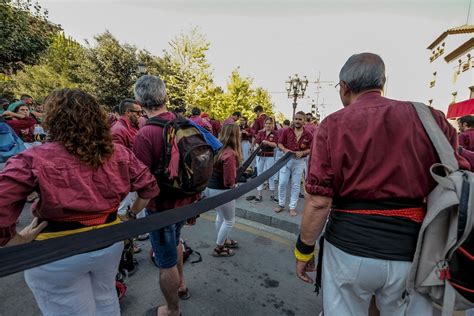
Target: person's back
369 171
72 174
150 91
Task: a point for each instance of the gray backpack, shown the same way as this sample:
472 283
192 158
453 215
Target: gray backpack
443 265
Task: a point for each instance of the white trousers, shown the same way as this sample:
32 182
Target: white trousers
293 168
245 149
79 285
263 164
127 203
348 283
225 218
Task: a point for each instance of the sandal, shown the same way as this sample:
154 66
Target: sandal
184 294
278 209
293 212
250 197
232 244
223 252
273 199
258 199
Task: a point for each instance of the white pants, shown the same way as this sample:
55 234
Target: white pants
225 218
348 283
127 203
263 164
79 285
245 149
293 168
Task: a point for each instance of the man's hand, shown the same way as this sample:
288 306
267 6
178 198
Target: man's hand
303 267
299 154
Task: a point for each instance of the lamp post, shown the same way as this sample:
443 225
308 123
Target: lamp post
296 88
141 69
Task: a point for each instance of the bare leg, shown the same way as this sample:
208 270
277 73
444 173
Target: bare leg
169 284
182 284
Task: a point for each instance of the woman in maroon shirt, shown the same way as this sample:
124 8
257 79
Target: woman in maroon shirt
266 158
81 177
223 179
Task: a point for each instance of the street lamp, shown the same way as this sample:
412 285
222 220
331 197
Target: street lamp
141 68
296 88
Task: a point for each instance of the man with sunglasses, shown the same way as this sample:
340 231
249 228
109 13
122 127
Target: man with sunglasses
126 128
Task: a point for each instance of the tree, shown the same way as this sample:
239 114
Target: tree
110 69
240 96
25 34
59 68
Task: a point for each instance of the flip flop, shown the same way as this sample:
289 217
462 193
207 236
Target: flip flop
293 212
250 197
278 209
184 295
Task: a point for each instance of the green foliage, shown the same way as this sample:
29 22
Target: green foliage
60 67
25 34
110 69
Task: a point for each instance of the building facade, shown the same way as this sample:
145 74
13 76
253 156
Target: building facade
451 56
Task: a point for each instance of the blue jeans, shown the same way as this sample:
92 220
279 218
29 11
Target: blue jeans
164 242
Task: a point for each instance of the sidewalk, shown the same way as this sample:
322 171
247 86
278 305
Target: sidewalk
262 212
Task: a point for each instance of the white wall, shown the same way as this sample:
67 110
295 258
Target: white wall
441 93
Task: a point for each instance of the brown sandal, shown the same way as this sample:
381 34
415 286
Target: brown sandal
222 252
278 209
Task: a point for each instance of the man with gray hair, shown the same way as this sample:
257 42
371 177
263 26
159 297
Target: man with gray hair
150 91
369 171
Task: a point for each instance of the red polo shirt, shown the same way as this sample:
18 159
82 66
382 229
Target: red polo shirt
287 138
267 151
124 133
259 123
466 139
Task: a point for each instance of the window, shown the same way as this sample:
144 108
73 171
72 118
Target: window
433 82
467 64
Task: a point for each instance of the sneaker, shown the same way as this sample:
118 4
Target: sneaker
143 237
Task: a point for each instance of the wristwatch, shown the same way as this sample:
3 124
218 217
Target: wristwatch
131 214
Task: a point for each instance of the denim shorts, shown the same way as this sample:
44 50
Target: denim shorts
164 242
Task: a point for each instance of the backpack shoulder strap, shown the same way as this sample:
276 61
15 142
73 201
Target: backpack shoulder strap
438 138
156 121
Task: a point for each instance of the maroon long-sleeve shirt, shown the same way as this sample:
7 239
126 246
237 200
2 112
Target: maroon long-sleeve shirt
124 133
24 128
68 188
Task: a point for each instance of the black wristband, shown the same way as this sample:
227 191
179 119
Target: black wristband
304 248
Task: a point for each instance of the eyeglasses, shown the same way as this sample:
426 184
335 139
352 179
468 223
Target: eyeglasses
139 112
338 86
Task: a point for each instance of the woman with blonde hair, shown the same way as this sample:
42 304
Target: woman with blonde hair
223 179
81 177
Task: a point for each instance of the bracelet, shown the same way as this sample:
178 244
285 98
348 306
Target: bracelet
304 248
303 257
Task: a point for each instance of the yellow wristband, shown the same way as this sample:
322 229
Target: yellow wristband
302 257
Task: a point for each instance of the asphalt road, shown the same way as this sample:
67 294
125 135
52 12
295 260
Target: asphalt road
258 280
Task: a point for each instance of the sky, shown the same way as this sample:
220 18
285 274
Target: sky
270 40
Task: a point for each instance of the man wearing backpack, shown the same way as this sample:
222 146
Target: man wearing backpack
369 171
150 91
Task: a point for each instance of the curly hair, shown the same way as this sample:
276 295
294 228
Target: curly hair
73 118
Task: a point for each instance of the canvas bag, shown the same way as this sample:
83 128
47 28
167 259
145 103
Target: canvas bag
443 265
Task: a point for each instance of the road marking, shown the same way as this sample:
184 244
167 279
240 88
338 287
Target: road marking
254 231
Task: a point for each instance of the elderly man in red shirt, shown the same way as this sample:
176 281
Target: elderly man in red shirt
298 140
369 171
150 91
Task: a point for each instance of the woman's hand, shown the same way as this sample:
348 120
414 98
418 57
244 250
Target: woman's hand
27 234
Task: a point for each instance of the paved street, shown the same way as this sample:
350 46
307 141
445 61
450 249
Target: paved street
258 280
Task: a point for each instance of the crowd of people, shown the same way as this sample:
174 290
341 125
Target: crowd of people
365 167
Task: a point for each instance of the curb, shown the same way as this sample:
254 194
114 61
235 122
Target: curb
268 220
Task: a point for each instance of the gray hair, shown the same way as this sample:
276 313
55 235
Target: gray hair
150 91
363 72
